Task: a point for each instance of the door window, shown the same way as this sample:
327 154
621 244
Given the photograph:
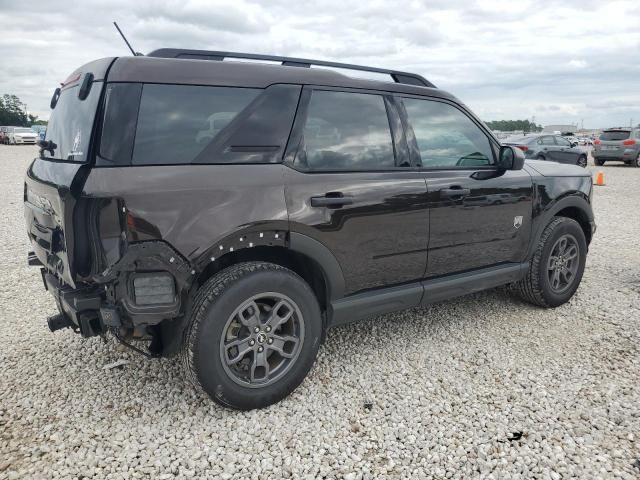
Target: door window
546 140
563 142
446 137
346 131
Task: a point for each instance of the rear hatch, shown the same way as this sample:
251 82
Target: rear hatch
612 142
54 180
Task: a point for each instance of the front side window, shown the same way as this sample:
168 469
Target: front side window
176 122
346 131
446 137
563 142
546 140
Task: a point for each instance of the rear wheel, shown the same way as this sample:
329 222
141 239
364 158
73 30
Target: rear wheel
540 157
557 265
598 162
253 334
636 162
582 161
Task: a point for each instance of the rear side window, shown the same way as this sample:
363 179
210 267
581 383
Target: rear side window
176 122
614 135
346 131
446 137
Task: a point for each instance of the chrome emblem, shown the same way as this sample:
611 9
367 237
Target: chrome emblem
517 221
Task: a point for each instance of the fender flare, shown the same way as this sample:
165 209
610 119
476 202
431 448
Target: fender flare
324 258
575 200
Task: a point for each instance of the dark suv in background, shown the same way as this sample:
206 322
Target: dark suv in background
621 144
549 147
231 212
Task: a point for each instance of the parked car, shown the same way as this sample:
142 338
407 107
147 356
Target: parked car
586 141
620 144
21 136
316 199
549 147
4 138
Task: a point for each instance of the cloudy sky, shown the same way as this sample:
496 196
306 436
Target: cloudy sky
568 61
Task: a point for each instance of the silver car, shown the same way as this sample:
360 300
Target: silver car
621 144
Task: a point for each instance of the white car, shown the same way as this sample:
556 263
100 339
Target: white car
22 136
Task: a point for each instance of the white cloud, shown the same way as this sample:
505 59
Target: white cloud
557 60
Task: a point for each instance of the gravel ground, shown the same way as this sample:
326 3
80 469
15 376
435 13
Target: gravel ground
484 386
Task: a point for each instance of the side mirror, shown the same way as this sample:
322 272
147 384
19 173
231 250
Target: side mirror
574 144
510 158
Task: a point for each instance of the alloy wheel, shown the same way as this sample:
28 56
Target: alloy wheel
262 339
563 263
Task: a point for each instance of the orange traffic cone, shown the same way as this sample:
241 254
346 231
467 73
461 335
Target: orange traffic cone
600 179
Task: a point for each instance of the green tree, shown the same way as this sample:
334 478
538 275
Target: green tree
13 112
524 126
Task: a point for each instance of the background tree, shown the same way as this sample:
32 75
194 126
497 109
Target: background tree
514 125
13 112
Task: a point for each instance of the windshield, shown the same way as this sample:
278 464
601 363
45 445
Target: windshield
615 135
23 130
70 124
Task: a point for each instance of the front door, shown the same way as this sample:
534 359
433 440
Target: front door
351 187
479 216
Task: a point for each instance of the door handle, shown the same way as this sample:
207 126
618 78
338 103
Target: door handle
331 200
454 192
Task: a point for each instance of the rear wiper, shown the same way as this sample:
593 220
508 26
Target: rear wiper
46 146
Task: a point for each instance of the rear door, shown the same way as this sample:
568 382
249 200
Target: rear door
479 216
53 180
566 153
351 187
548 148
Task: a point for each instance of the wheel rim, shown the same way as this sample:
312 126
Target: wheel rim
563 263
262 339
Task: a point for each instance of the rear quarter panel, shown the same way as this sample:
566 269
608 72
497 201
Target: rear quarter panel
194 208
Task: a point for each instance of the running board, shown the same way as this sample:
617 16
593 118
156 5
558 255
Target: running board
391 299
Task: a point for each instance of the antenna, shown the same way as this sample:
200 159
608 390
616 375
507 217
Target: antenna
135 54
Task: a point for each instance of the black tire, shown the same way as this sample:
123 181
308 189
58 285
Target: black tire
598 162
217 301
536 287
582 161
636 162
540 157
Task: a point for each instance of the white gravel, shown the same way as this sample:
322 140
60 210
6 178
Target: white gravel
434 392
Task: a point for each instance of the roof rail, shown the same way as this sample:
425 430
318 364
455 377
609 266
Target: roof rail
397 76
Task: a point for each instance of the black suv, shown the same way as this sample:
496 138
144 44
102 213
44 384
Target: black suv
230 212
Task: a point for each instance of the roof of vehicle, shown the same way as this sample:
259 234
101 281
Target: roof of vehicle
524 138
247 74
618 129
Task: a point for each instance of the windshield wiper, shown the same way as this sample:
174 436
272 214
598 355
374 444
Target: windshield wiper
46 146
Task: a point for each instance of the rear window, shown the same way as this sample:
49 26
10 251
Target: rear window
70 124
177 122
613 135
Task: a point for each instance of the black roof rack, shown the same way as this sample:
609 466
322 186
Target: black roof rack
398 77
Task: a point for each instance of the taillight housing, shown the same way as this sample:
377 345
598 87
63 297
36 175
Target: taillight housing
597 142
629 142
524 148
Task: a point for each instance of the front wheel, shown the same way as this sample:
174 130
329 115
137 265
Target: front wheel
557 265
598 162
252 336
